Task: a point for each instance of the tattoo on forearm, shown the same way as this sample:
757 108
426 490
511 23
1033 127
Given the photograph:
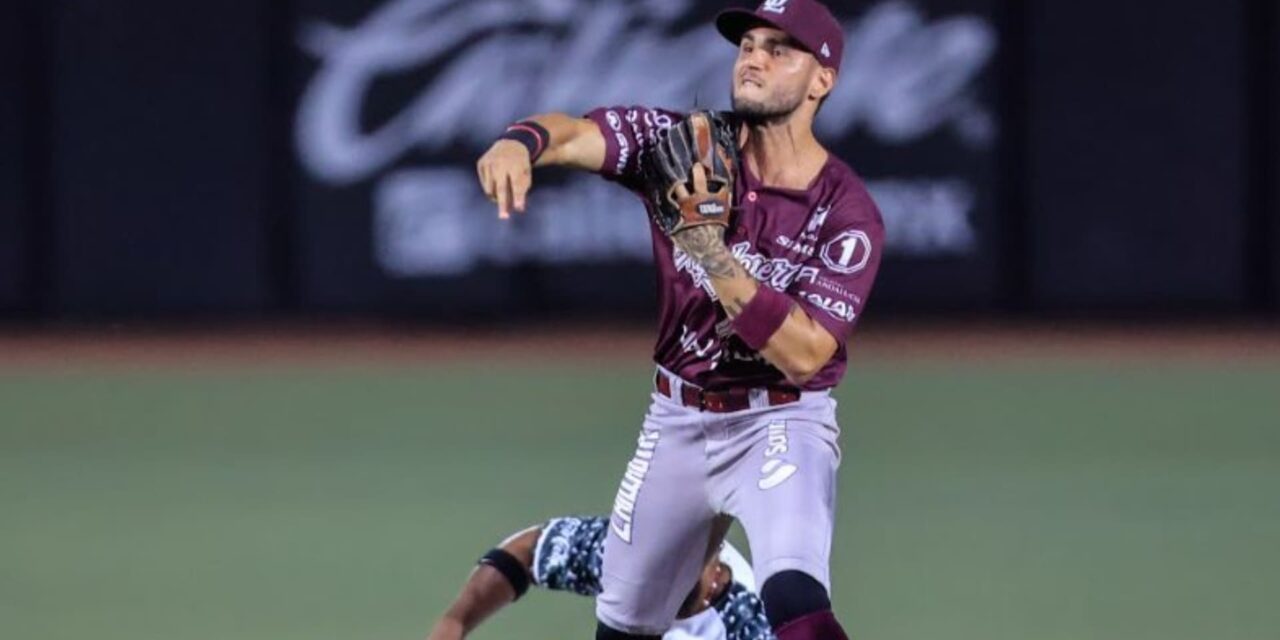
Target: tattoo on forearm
705 244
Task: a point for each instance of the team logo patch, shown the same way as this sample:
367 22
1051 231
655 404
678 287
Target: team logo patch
624 152
711 209
839 309
848 252
816 220
776 469
774 6
624 506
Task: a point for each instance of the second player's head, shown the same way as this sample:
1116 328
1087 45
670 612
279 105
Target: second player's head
789 54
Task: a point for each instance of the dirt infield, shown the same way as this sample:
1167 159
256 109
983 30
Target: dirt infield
372 346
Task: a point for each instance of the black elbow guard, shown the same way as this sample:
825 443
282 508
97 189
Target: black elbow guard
510 568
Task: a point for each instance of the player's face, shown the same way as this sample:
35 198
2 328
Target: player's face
772 76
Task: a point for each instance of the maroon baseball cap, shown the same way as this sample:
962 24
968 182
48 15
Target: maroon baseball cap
808 21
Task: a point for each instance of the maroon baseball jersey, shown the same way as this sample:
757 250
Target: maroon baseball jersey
821 246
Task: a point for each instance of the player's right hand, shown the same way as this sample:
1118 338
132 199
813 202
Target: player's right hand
506 175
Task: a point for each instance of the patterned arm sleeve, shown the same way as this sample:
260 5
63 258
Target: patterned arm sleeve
569 555
742 613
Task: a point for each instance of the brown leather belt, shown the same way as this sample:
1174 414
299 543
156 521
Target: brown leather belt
725 400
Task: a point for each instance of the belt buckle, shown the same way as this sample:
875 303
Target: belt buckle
779 396
713 403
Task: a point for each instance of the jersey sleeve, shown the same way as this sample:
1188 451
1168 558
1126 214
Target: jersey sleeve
840 275
569 555
742 613
629 136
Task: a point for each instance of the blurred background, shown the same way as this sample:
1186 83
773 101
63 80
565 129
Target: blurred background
270 367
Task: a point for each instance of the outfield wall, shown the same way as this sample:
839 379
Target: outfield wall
315 157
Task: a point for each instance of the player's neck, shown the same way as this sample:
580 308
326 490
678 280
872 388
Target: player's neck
784 155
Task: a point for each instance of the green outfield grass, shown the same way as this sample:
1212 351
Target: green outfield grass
1021 501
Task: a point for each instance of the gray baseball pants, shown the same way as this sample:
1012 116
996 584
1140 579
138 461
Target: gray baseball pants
771 468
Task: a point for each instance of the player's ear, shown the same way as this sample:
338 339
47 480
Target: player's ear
824 82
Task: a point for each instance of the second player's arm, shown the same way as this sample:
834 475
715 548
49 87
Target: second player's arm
800 348
486 592
506 172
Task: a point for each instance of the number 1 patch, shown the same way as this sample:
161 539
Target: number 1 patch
848 252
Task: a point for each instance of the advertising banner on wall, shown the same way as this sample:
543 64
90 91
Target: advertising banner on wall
1274 179
13 177
397 99
159 160
1139 196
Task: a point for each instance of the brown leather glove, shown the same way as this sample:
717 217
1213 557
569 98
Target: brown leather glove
691 173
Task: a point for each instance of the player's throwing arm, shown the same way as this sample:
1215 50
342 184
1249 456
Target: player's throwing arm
506 169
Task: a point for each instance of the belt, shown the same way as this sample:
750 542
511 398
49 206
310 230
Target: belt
724 400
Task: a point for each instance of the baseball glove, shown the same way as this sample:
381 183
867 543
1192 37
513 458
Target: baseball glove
691 173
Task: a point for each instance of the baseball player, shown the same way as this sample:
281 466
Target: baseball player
766 248
565 554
